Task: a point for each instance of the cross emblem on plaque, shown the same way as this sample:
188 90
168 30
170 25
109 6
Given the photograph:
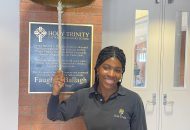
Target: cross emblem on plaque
40 33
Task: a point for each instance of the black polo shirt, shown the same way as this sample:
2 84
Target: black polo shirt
124 110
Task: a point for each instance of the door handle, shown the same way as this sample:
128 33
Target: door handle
153 101
165 100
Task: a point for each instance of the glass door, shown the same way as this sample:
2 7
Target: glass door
175 66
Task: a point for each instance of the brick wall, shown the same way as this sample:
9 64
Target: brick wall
32 107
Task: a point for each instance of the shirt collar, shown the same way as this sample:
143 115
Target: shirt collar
121 91
93 90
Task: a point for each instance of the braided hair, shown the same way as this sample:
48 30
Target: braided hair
106 53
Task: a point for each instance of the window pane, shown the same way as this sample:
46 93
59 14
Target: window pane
141 33
180 48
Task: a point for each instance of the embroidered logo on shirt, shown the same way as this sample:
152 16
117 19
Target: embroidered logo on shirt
120 114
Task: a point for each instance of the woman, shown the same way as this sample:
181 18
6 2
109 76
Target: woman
107 105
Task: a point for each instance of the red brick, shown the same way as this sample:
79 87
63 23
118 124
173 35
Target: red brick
24 127
25 119
38 99
25 100
45 127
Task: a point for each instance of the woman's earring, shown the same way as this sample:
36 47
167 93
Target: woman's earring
119 82
121 79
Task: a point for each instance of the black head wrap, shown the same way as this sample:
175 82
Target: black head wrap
106 53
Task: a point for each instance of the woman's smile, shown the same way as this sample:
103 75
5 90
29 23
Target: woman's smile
109 73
